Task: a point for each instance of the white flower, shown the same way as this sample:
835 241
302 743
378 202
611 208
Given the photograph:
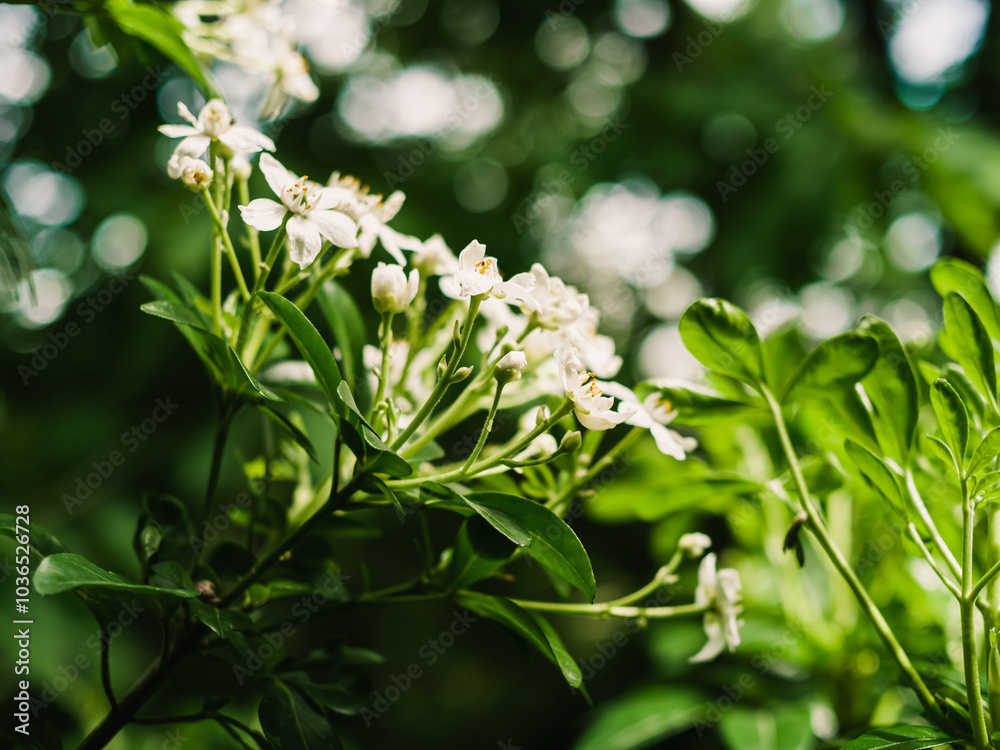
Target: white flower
654 414
477 274
240 167
510 367
318 212
392 292
559 304
592 407
372 215
291 78
195 174
214 123
694 545
722 591
434 257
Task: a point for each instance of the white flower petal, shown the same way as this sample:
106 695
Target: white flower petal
263 214
178 131
474 252
278 178
246 140
186 113
335 226
304 242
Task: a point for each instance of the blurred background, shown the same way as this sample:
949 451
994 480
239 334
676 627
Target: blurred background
807 159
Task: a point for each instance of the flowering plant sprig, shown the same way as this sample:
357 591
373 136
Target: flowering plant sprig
289 342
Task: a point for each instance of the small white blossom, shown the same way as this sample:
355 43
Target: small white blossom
434 257
559 304
318 212
510 367
694 545
240 167
214 123
594 410
372 215
477 274
654 414
196 174
392 292
722 591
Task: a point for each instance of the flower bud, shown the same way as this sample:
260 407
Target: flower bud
392 291
461 374
542 416
694 545
570 442
509 367
196 175
240 167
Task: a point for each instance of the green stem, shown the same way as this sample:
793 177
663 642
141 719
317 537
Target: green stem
314 520
253 237
489 463
967 608
385 342
932 528
928 555
223 233
605 610
487 428
987 577
265 271
843 567
444 380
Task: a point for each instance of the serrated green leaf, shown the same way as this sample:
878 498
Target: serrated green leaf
721 337
952 418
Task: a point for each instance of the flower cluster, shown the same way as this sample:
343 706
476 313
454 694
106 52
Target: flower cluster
255 35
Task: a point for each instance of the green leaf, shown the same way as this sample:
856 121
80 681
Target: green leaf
569 666
901 738
837 363
971 344
290 427
42 542
222 622
952 417
954 275
161 30
479 551
552 542
892 389
940 447
291 723
988 450
308 341
263 390
780 727
512 617
877 474
642 718
721 337
348 326
697 406
498 519
174 312
67 571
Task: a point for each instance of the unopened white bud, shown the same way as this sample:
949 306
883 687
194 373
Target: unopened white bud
509 367
240 167
196 175
392 291
542 416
